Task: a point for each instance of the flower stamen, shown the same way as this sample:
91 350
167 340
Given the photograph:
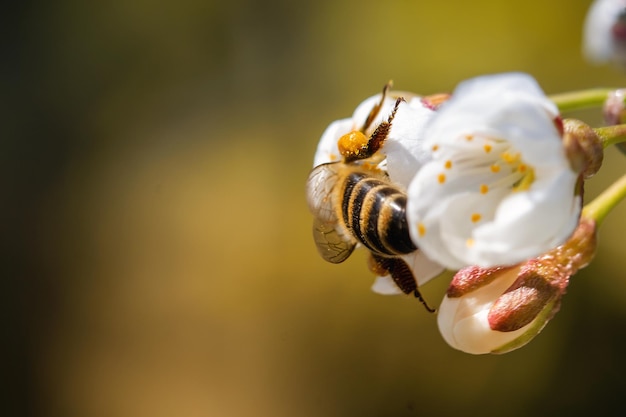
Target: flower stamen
526 181
510 158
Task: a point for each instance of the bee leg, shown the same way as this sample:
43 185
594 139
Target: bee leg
377 139
401 275
376 109
418 295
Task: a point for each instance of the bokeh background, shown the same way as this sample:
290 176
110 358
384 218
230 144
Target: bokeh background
157 248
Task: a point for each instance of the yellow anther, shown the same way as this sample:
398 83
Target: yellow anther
421 229
509 158
441 178
522 168
469 243
484 188
469 138
495 168
448 164
487 148
476 217
526 181
435 148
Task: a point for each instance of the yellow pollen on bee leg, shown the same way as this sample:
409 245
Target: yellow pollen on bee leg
352 143
448 164
476 217
484 188
441 178
421 229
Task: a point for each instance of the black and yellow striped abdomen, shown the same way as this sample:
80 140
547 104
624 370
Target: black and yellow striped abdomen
374 212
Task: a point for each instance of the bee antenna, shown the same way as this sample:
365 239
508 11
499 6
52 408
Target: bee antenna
376 109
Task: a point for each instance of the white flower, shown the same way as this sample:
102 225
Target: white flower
403 148
604 34
499 188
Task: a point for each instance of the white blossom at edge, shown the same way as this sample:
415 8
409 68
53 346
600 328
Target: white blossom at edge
598 42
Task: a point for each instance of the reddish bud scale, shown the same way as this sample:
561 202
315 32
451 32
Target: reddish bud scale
472 278
523 301
541 282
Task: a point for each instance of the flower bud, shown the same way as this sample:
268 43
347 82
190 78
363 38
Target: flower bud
614 111
497 310
583 147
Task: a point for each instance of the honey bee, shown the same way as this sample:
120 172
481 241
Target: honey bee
354 202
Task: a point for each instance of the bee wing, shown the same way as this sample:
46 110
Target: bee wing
331 244
319 189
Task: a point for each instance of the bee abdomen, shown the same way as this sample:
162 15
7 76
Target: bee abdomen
375 213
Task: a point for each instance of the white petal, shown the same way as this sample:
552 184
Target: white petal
327 150
385 286
463 321
424 269
528 223
446 319
404 147
521 116
496 87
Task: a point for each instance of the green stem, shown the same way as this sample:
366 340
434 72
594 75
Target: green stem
578 100
611 135
605 202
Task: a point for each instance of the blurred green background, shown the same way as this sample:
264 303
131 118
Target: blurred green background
157 243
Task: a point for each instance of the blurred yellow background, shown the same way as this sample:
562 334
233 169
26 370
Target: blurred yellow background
159 256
